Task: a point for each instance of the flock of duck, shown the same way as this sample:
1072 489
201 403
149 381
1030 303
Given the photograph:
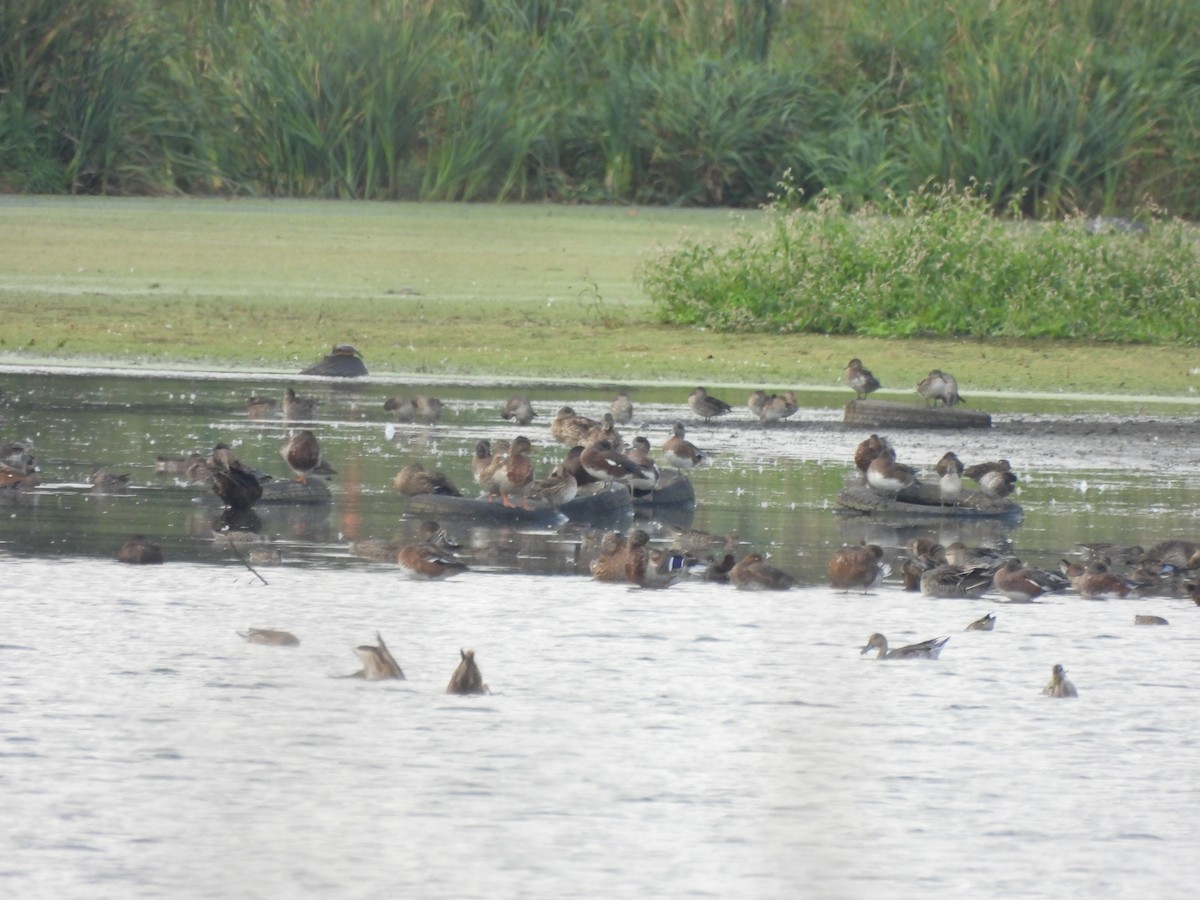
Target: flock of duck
597 456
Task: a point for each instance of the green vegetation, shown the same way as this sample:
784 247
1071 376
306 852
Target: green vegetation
937 263
451 290
1079 104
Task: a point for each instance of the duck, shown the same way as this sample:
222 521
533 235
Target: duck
639 452
949 469
343 361
679 452
176 465
621 408
298 408
140 550
518 409
860 379
1022 584
572 464
481 461
648 568
859 567
984 623
779 407
929 649
997 484
377 549
939 387
403 409
604 462
1059 686
756 402
237 486
706 406
515 474
696 540
18 458
1096 582
414 480
868 451
889 477
424 559
610 564
555 490
106 482
754 573
378 662
607 429
959 554
1176 553
467 679
302 453
261 407
269 636
429 409
978 470
570 428
952 581
717 570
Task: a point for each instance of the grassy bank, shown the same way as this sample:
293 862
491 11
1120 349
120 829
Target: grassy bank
516 291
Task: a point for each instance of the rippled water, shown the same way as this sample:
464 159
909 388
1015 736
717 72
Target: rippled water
693 742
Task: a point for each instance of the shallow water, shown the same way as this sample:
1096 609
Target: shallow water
693 742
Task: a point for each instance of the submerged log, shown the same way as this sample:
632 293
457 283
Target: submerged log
926 500
877 414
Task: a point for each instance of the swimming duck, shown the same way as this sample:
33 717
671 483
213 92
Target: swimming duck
1096 582
859 379
610 564
1059 686
570 428
985 623
467 679
939 387
403 409
621 408
706 406
650 568
925 650
429 409
140 550
425 559
1021 583
956 582
378 662
106 482
959 554
889 477
518 409
754 573
680 452
302 453
515 474
176 465
343 361
261 408
298 408
270 636
856 568
414 480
